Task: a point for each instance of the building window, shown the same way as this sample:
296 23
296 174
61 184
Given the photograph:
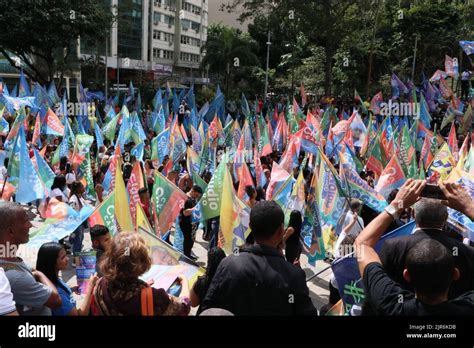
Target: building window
195 26
168 37
156 18
168 20
156 53
189 57
169 5
167 54
156 34
186 40
191 8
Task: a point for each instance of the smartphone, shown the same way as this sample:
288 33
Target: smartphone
432 191
175 288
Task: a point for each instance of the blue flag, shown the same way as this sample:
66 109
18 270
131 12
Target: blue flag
98 136
347 274
29 184
24 87
138 151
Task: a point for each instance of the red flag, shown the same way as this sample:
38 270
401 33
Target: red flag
53 124
36 131
453 142
426 156
113 165
135 183
260 177
375 103
303 95
244 181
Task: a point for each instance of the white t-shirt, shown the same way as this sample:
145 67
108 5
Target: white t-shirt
7 305
58 193
70 178
357 227
76 203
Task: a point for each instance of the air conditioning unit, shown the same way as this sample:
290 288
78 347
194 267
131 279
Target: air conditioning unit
170 43
169 25
166 7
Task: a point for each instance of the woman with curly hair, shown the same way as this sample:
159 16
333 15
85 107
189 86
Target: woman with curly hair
121 292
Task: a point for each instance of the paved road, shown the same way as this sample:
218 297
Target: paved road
318 286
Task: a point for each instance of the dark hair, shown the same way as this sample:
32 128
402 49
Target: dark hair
296 220
97 231
430 265
97 177
250 190
265 219
75 188
355 204
197 188
260 193
62 162
142 190
59 182
214 258
48 255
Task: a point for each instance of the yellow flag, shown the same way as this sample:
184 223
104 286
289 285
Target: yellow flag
234 218
443 163
142 221
122 208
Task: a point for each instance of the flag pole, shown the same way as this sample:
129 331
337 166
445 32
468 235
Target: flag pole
3 187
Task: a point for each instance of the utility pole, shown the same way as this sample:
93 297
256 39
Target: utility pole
118 72
106 82
266 71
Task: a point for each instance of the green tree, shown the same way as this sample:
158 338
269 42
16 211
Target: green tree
44 33
228 49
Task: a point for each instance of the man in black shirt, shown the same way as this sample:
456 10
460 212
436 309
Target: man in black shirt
258 280
429 268
430 216
185 219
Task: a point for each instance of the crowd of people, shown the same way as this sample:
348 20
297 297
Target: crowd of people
431 271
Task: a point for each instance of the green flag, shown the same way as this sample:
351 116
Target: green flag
211 199
109 128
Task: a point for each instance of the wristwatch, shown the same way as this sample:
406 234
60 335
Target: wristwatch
393 212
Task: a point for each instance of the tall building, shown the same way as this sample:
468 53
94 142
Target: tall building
156 40
178 31
151 41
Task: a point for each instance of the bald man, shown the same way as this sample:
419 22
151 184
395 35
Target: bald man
33 292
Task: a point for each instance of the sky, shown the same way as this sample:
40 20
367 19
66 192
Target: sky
216 16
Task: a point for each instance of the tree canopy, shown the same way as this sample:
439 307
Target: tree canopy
44 33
